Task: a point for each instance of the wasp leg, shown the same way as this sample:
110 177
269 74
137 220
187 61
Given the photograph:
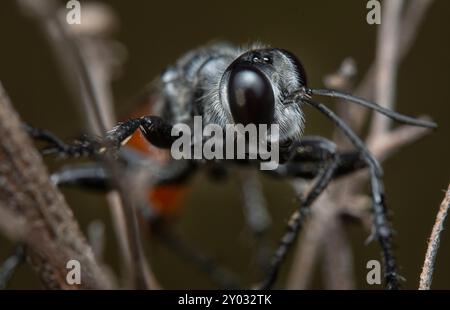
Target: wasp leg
382 228
306 160
326 151
45 136
91 176
10 266
54 145
94 176
155 130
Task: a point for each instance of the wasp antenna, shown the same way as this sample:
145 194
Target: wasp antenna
349 133
371 105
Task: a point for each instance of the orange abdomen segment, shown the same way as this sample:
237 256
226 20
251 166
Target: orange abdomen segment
168 199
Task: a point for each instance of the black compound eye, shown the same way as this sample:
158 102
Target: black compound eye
250 96
298 67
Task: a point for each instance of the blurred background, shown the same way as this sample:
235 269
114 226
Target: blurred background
321 33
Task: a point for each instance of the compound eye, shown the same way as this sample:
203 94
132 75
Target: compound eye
250 96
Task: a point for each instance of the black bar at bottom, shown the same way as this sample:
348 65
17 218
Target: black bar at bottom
214 299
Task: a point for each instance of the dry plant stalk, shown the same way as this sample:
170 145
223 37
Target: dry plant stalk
433 244
395 38
87 58
45 223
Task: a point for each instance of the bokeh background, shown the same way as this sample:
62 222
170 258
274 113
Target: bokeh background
321 33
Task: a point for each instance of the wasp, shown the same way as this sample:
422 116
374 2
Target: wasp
225 84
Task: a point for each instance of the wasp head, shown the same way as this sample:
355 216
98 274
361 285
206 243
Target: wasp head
255 86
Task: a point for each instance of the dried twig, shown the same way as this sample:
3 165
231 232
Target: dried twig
51 234
96 237
433 244
13 226
338 270
94 95
103 57
309 245
414 15
387 64
344 195
256 215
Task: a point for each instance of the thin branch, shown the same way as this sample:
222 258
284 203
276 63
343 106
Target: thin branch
338 258
310 243
387 64
410 24
51 235
96 237
103 58
323 221
393 140
257 216
343 194
433 244
13 226
78 73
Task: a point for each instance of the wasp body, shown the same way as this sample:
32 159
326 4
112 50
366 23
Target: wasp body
257 85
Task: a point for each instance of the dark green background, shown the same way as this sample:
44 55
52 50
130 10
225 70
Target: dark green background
321 34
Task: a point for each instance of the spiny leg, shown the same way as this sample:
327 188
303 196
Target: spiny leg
155 130
158 133
296 221
383 231
306 160
94 176
381 224
45 136
91 176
